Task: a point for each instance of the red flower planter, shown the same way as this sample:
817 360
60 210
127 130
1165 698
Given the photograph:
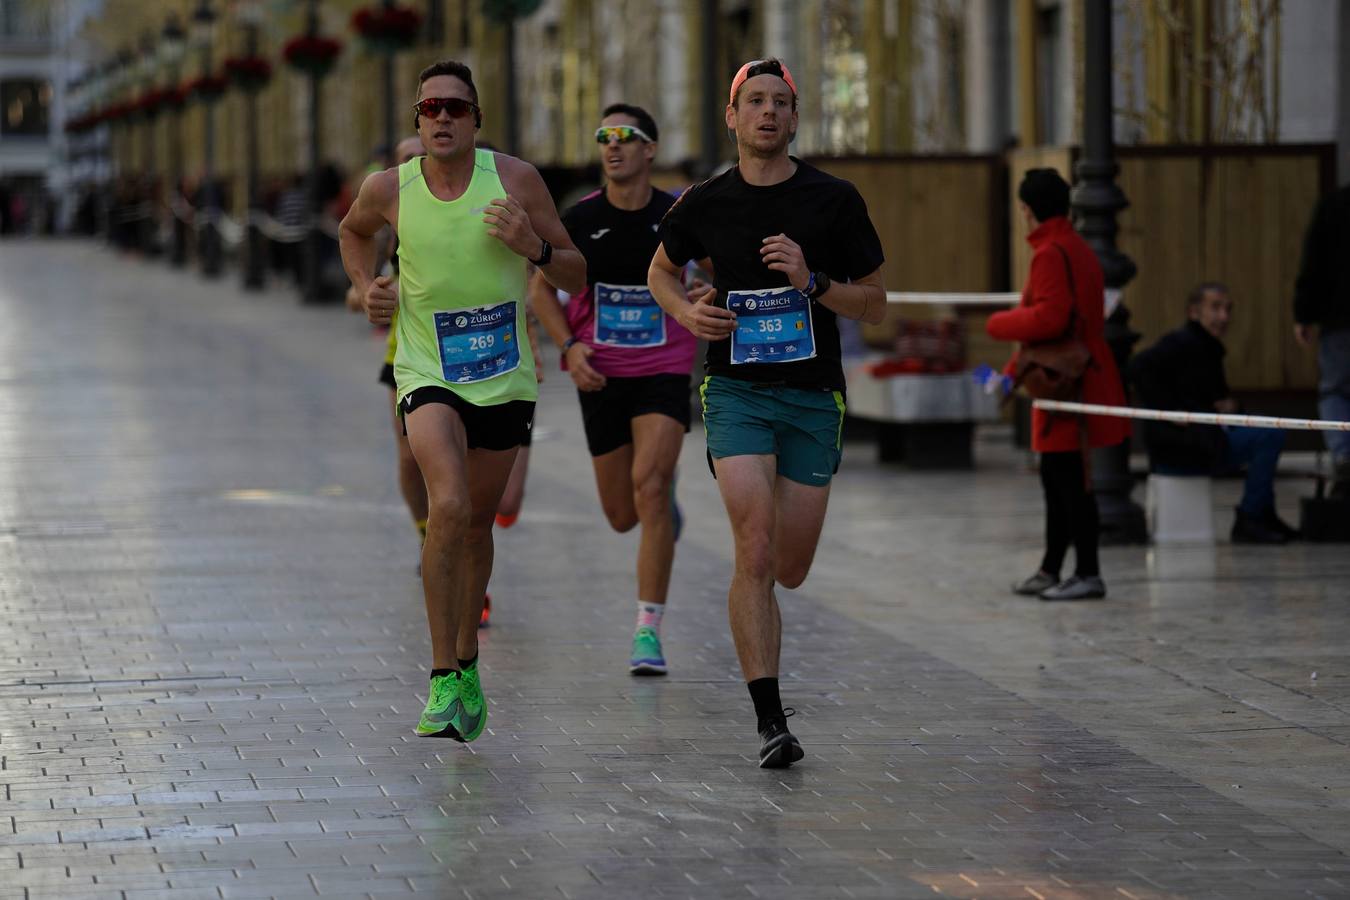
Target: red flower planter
313 55
248 73
387 29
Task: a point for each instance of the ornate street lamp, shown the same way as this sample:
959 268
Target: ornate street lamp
506 13
203 35
249 13
314 55
1096 201
172 48
149 102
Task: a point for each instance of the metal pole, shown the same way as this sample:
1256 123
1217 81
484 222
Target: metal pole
178 252
212 256
713 125
512 100
389 100
254 249
1096 201
310 287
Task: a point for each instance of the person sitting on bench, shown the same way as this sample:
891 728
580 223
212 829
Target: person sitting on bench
1184 371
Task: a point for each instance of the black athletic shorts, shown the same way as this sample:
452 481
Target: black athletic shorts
387 376
609 412
499 427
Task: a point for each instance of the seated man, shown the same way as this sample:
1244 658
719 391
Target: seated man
1184 371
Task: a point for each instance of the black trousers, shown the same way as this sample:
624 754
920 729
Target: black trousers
1070 514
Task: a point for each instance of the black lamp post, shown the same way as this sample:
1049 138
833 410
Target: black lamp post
149 236
172 46
203 26
311 291
389 54
1096 201
254 248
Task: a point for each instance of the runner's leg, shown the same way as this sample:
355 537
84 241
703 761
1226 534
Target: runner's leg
488 471
800 518
656 451
436 436
410 483
747 486
614 481
514 495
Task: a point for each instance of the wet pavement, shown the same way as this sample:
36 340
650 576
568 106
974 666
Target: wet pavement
213 653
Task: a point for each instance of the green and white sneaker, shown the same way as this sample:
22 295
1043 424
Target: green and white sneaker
647 658
443 694
468 710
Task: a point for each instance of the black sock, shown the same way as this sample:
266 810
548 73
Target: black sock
439 673
468 663
764 693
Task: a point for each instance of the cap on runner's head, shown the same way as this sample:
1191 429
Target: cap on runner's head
755 67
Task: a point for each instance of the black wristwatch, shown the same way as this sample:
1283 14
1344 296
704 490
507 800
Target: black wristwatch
545 254
822 285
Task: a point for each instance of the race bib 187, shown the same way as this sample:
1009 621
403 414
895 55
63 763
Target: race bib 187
627 315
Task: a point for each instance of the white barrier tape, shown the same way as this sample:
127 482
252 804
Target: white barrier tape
956 299
1192 418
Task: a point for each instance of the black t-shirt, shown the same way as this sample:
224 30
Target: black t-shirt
727 219
618 243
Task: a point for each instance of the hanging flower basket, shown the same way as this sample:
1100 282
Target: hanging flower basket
151 102
313 55
249 73
504 12
81 124
387 29
173 98
207 88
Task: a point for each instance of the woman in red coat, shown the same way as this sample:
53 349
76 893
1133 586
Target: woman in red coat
1063 292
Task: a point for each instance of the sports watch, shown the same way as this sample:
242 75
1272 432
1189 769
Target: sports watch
820 283
545 254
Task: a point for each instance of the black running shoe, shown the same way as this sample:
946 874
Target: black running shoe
779 749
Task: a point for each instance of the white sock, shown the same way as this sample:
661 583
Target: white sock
649 615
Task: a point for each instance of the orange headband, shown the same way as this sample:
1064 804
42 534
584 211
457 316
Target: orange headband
744 73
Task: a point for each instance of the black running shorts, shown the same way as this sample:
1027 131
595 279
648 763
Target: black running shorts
609 412
499 427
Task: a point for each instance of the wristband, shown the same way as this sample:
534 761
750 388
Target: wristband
545 254
810 288
567 344
820 285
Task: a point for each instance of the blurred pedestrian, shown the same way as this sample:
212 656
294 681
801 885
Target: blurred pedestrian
1062 300
1184 371
1322 308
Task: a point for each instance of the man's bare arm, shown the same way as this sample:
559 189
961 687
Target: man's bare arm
699 316
864 299
375 207
527 192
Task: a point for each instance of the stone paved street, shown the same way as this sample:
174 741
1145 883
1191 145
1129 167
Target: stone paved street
213 653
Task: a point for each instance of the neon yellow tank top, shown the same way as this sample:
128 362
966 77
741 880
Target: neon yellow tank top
461 316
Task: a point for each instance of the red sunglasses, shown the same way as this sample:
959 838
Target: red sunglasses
431 107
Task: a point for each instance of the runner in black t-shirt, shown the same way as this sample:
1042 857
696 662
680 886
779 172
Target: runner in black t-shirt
630 362
791 248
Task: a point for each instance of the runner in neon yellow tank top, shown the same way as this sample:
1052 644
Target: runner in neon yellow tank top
467 222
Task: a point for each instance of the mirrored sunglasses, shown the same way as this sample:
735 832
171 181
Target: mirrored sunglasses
622 133
431 107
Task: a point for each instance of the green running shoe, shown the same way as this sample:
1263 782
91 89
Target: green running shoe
435 721
468 710
647 658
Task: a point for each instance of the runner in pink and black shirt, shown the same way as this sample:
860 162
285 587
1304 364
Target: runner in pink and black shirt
630 361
